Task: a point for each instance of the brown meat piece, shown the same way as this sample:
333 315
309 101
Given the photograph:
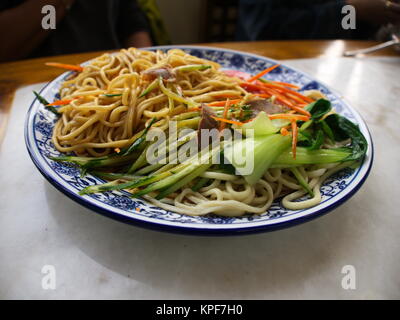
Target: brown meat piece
267 106
165 73
206 122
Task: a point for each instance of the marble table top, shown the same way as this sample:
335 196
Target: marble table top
43 233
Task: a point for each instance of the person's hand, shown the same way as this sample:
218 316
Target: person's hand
377 11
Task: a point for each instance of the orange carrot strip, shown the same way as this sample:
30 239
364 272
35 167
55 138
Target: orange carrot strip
303 97
295 98
259 75
227 95
287 85
224 115
301 111
299 97
227 121
222 103
61 102
117 150
288 103
280 97
262 95
194 109
65 66
294 138
289 116
253 87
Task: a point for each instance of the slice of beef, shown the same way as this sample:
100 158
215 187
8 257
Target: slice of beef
267 106
206 122
166 73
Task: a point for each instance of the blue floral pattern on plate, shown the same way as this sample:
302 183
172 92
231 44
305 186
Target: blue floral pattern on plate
120 205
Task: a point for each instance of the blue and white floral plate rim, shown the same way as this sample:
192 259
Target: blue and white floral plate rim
118 205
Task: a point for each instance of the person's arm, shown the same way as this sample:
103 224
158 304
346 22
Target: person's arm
21 27
133 25
138 39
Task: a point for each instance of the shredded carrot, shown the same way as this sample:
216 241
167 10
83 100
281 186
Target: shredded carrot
117 150
284 131
268 92
224 115
223 103
65 66
227 95
298 109
301 111
262 95
253 87
281 98
289 116
259 75
303 105
294 138
61 102
137 209
227 121
293 97
194 109
303 97
287 84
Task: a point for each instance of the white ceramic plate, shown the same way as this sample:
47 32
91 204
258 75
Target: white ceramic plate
118 205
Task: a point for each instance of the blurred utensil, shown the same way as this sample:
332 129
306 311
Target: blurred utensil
395 41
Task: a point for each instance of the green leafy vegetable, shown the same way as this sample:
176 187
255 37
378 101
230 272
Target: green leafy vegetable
343 129
114 185
312 141
150 88
305 156
261 125
87 162
44 102
108 95
179 174
139 141
193 67
327 130
266 149
114 176
175 186
302 181
319 108
200 184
